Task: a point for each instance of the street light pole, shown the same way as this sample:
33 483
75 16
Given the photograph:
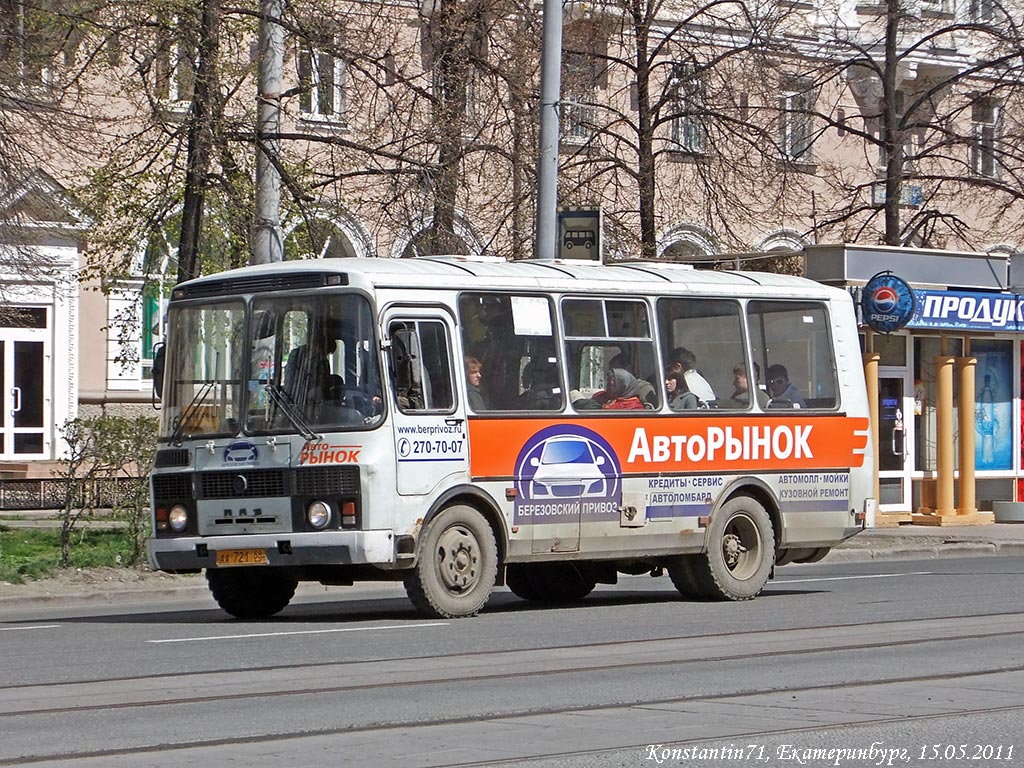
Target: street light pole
268 244
547 157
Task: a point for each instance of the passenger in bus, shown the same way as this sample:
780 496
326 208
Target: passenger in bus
621 392
680 398
334 390
694 379
741 388
541 390
784 393
474 375
307 370
647 394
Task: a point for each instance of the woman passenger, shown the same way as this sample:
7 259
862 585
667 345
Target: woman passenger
680 398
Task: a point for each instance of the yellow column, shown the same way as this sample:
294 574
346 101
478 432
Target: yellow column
944 436
965 372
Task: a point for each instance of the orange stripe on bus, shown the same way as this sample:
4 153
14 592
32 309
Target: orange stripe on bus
692 444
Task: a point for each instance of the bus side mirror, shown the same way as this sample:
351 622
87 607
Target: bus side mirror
158 370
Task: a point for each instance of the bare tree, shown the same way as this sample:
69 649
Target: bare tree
662 119
918 99
435 128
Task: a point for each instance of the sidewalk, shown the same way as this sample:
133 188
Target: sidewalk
923 542
906 542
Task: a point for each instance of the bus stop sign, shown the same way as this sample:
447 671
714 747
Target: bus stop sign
579 234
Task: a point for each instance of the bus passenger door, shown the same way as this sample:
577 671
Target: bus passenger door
429 423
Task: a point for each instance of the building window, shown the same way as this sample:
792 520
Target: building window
579 90
322 82
982 10
175 63
30 39
796 103
937 6
986 116
909 137
686 96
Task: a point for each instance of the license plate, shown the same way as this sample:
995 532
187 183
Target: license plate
241 557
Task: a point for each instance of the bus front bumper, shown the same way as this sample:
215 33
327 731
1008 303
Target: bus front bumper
190 553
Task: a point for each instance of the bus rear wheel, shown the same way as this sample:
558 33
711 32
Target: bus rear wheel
741 552
457 565
250 593
684 579
550 582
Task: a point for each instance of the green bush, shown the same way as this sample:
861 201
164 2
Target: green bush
107 448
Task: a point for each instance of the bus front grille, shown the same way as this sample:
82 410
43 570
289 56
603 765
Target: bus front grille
176 487
245 484
327 481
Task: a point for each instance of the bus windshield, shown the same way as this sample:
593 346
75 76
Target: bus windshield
204 370
308 365
312 363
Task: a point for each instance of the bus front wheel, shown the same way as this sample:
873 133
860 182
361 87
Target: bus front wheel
250 593
457 565
741 552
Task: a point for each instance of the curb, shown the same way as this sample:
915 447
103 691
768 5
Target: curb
98 596
926 551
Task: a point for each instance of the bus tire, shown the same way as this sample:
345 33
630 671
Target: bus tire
517 579
684 579
250 593
741 552
559 583
457 565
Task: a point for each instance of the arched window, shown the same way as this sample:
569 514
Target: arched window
338 235
421 245
687 243
317 240
418 240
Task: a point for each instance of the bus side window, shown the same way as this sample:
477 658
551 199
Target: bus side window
512 337
791 342
420 366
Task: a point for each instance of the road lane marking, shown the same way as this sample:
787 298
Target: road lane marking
851 578
34 626
296 632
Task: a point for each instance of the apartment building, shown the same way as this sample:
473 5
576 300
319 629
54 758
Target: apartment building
697 129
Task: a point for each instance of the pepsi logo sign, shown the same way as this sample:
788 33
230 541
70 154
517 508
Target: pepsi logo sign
885 299
887 303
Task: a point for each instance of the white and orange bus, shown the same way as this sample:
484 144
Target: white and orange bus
462 423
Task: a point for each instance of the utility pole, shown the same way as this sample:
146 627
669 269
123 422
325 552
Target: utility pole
268 243
547 157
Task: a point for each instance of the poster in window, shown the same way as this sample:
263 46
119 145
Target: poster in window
993 404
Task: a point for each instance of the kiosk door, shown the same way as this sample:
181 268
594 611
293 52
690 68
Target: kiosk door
895 441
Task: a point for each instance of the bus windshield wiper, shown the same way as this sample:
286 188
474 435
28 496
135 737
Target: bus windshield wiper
292 414
189 411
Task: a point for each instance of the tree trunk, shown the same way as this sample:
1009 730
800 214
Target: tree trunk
645 140
200 140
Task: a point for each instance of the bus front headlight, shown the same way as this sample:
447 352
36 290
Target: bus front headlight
177 518
318 514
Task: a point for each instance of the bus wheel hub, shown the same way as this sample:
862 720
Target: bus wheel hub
457 555
733 549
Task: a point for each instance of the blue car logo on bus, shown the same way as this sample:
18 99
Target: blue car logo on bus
566 463
241 452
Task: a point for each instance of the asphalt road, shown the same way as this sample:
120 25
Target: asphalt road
911 659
